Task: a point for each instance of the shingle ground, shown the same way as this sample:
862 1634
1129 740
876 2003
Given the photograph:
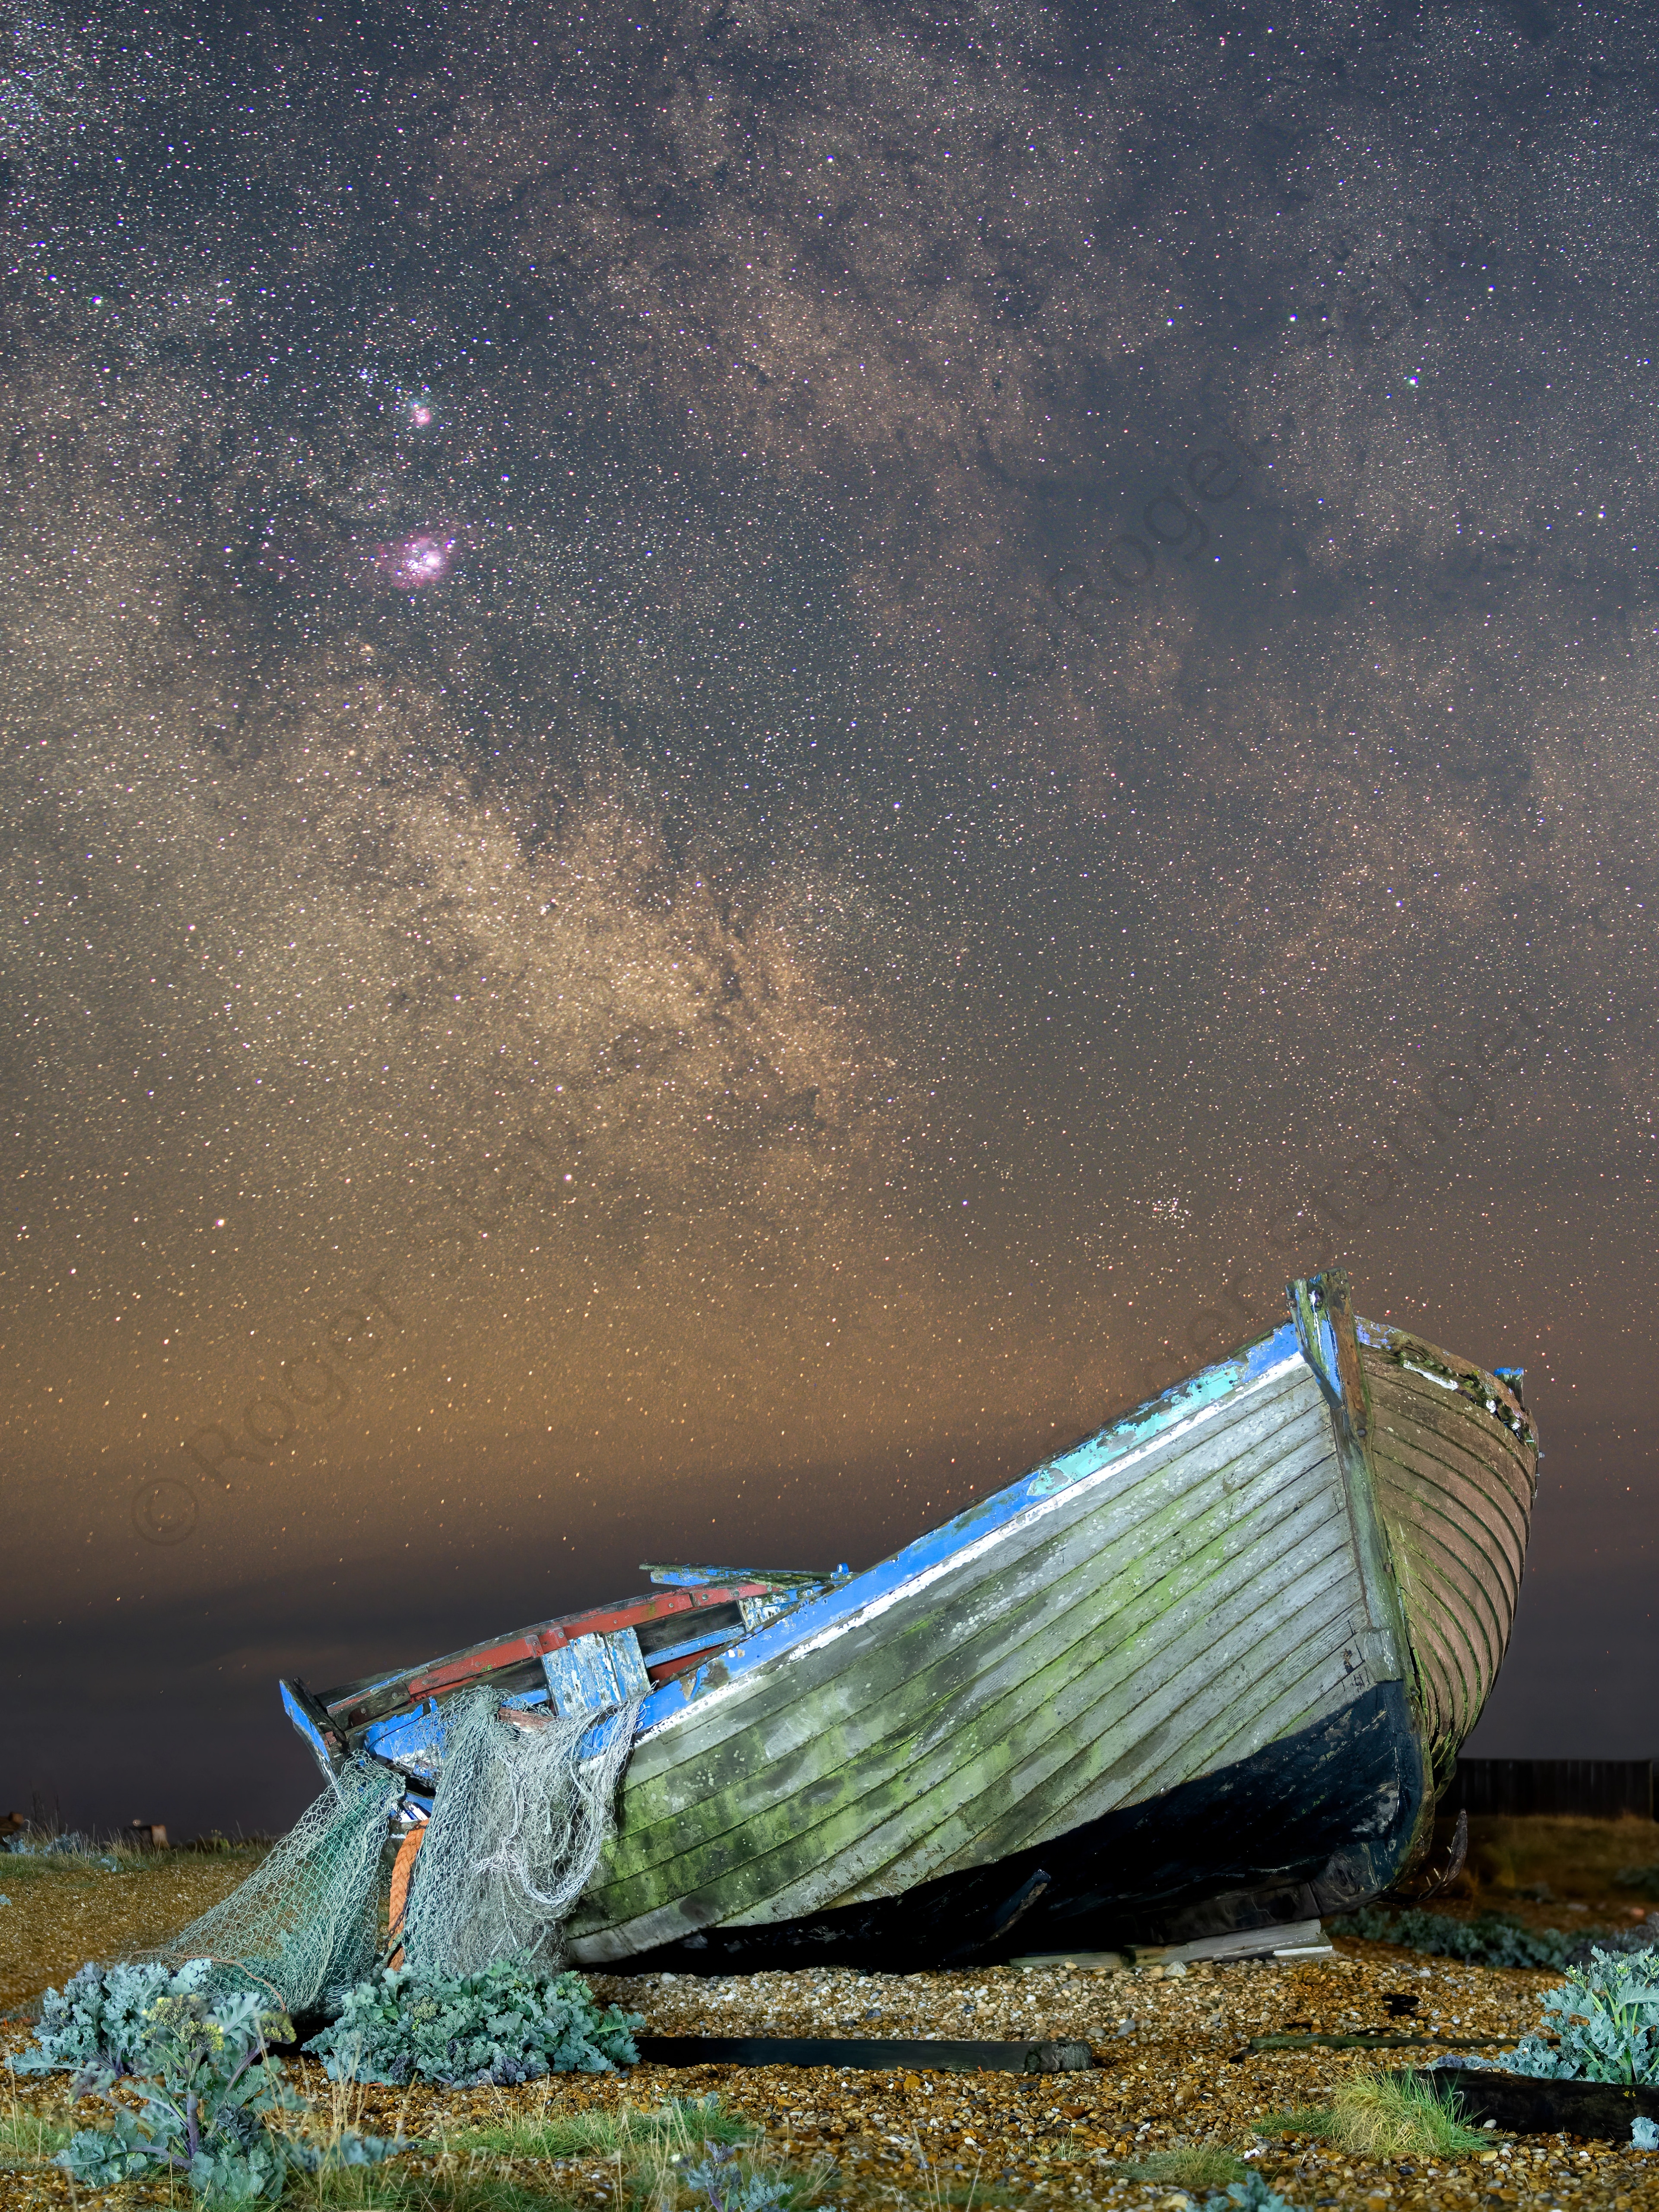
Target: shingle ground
1173 2066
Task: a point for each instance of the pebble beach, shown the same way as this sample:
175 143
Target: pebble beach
1175 2051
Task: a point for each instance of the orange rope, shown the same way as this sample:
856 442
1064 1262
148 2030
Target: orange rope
402 1870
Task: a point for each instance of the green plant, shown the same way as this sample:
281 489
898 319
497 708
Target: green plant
1301 2120
557 2134
1197 2166
1606 2016
1490 1939
504 2024
684 2123
1390 2116
729 2177
1252 2194
26 2139
450 2190
652 2157
1645 1879
96 2021
705 2119
731 2187
209 2091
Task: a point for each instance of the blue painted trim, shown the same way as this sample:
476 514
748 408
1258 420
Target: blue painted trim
396 1738
404 1733
308 1729
696 1643
701 1577
1178 1403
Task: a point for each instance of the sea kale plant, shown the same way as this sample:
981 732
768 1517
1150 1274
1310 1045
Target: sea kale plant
199 2058
502 2026
1606 2016
1253 2194
95 2022
1490 1939
730 2188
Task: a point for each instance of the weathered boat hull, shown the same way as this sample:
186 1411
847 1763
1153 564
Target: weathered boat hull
1146 1628
1267 1840
1456 1466
1193 1676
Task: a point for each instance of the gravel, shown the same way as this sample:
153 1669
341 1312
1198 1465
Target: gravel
1173 2068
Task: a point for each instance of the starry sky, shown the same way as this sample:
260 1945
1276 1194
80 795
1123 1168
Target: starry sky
751 751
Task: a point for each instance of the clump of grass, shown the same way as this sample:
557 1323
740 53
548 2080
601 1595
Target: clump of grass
1302 2120
731 2172
26 2140
648 2160
40 1855
1387 2115
547 2134
352 2189
1392 2116
1192 2166
682 2123
931 2191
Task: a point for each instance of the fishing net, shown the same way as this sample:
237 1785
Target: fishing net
518 1825
306 1922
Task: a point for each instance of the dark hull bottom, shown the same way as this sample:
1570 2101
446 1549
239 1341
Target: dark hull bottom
1314 1825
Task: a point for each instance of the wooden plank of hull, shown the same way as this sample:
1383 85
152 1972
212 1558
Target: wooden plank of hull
1454 1487
1024 1764
1031 1713
975 1637
1090 1590
986 1611
1317 1822
1184 1607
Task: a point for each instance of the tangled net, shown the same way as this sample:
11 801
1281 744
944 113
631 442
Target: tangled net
518 1824
306 1922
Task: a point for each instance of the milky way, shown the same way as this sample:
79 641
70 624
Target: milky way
751 754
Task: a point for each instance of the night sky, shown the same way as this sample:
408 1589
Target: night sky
751 751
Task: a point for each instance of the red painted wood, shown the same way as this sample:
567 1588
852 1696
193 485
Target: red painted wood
434 1680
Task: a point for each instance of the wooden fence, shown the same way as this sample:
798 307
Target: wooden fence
1601 1788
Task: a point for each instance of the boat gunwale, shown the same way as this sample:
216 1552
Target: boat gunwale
1392 1343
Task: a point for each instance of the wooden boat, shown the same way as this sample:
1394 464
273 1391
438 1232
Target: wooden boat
1203 1672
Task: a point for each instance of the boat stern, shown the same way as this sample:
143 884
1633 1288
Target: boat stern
1454 1460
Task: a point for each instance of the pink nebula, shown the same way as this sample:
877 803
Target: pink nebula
409 564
